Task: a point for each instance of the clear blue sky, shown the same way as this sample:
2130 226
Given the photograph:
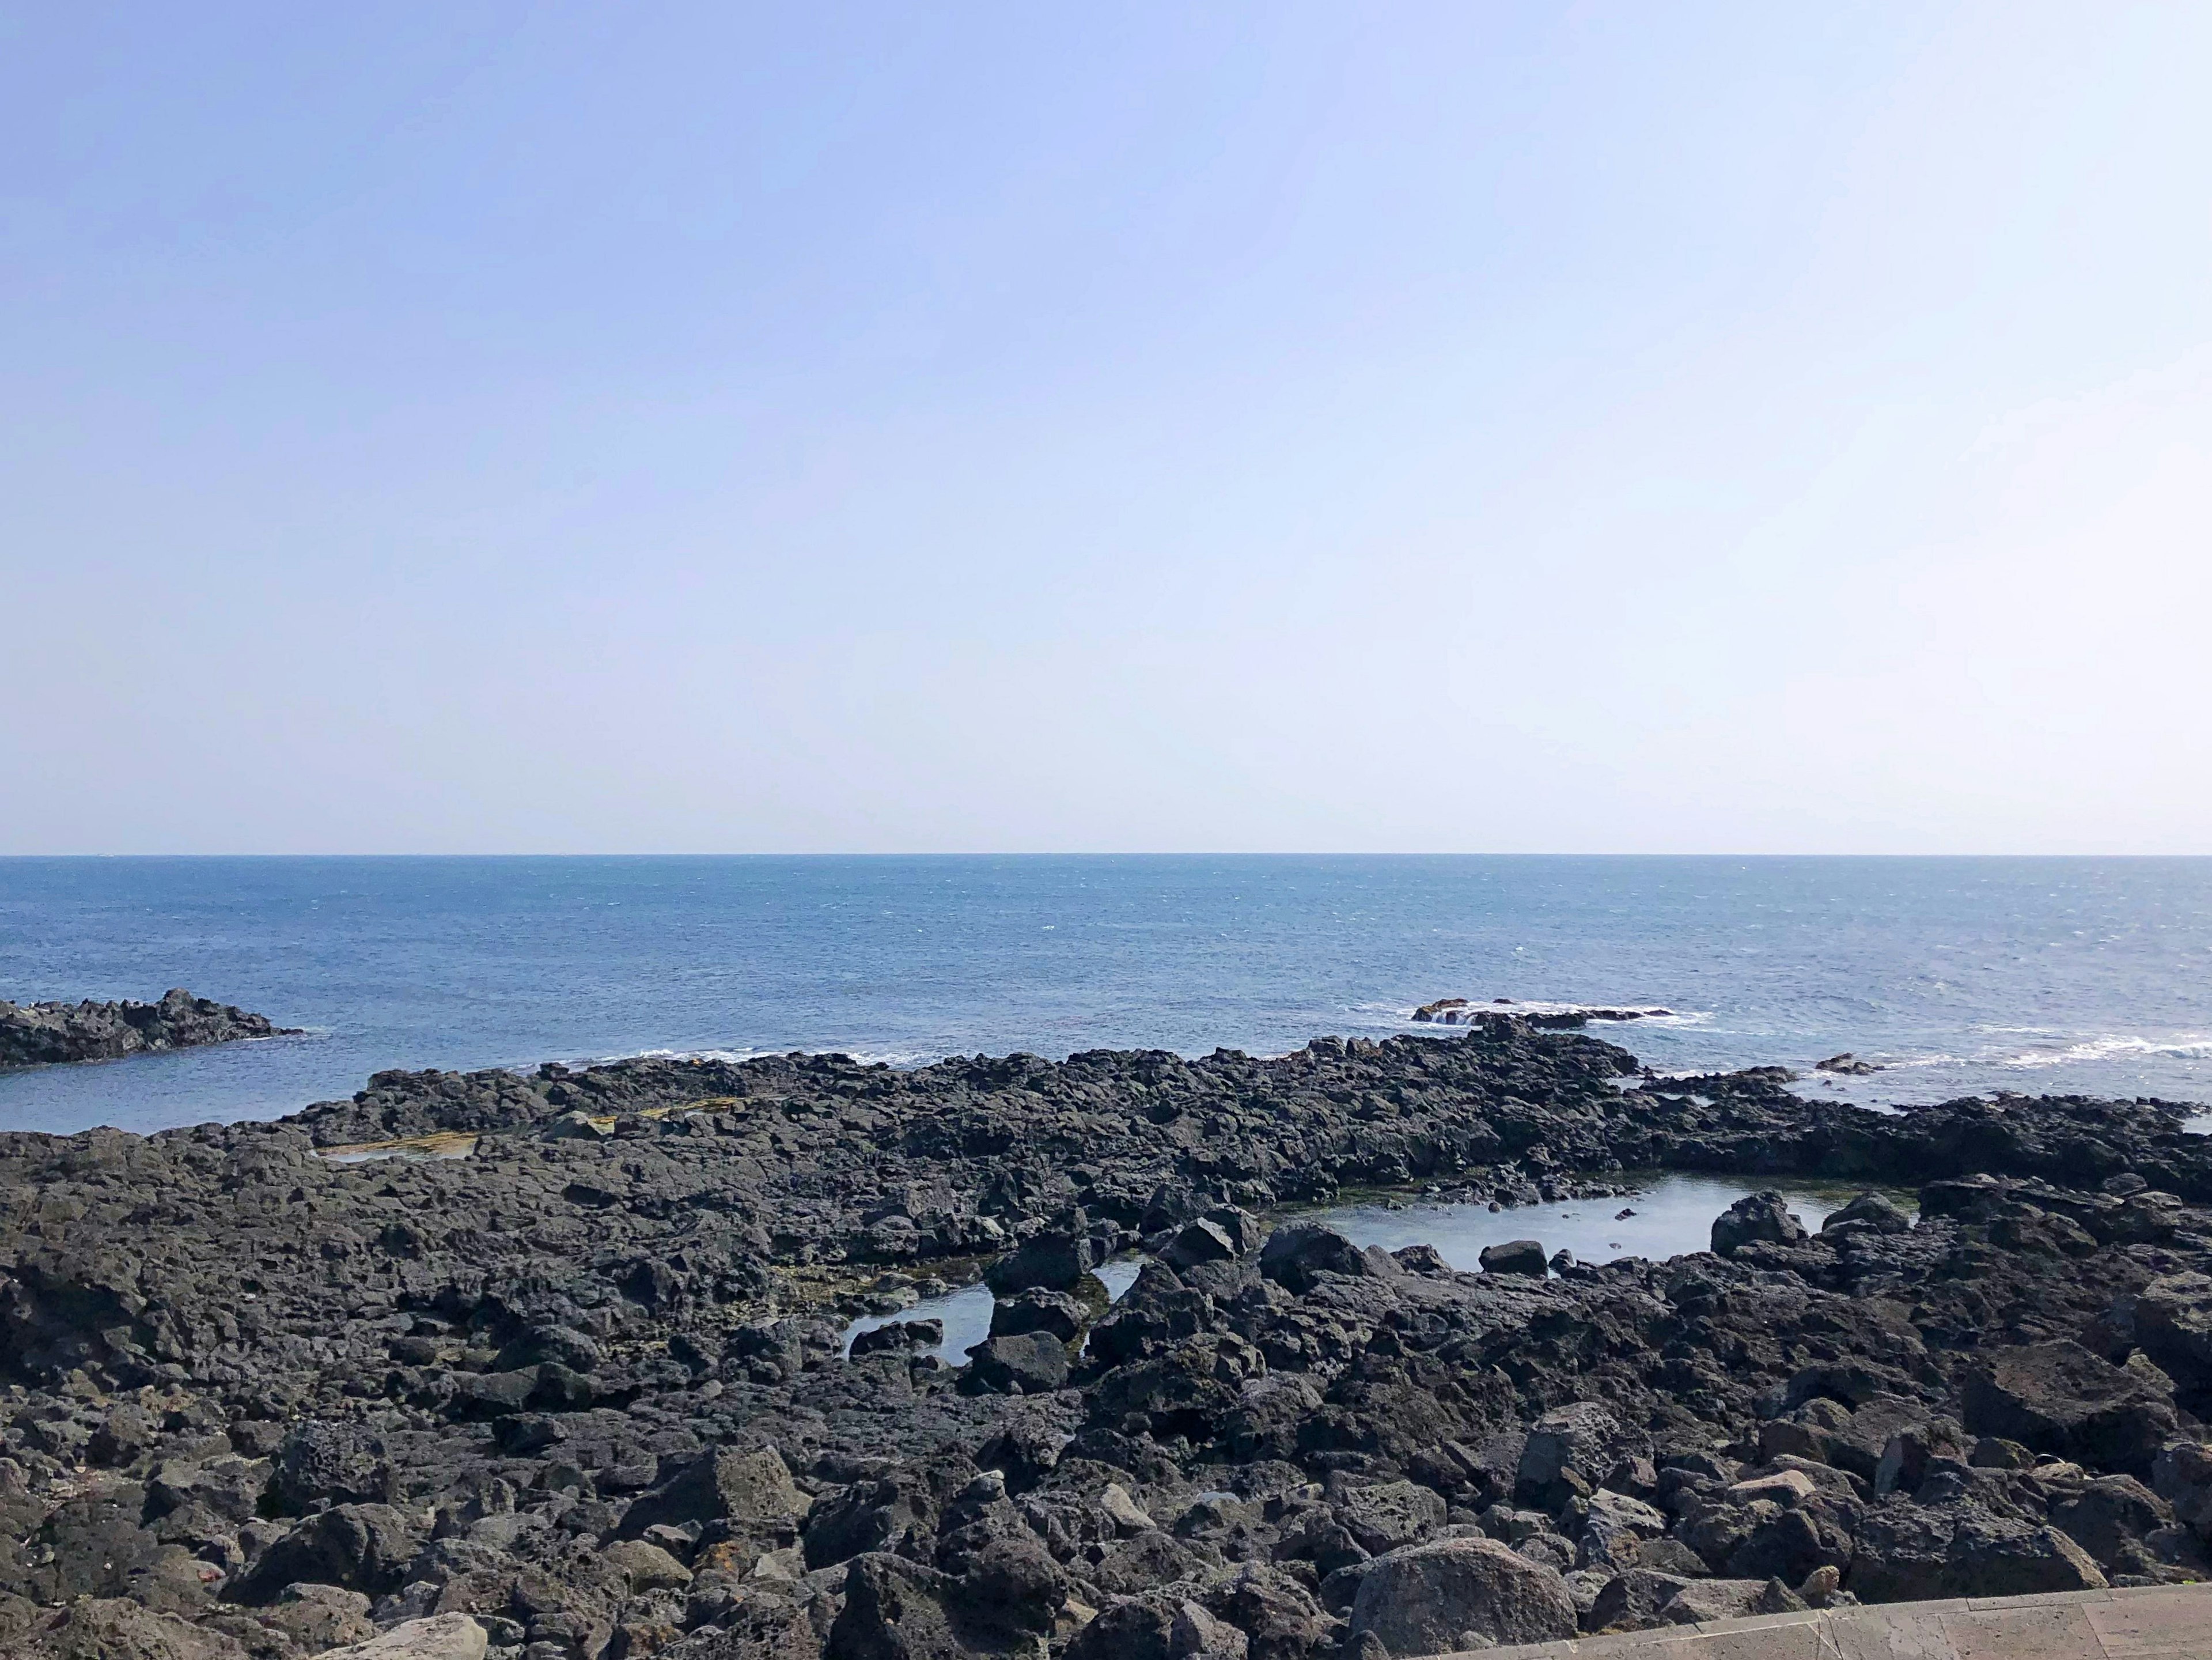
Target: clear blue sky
699 428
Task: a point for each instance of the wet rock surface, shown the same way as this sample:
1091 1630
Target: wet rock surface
581 1393
48 1034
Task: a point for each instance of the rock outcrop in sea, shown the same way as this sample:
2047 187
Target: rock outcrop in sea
581 1393
46 1034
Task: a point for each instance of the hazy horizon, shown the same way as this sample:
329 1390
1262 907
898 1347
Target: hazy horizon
1722 431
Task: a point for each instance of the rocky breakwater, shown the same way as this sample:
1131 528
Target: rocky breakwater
580 1394
46 1034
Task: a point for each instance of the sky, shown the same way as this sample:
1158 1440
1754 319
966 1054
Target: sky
1488 428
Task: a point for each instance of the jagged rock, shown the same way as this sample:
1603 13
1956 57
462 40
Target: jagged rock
645 1566
1298 1251
1055 1259
1516 1256
112 1628
900 1337
1759 1217
1907 1551
1030 1363
1128 1518
1051 1311
1615 1530
2173 1320
319 1617
360 1548
2059 1398
1581 1442
441 1637
1278 1617
2182 1476
1390 1514
536 1344
1422 1599
742 1487
1202 1240
1138 1629
1700 1600
1870 1213
2110 1517
45 1034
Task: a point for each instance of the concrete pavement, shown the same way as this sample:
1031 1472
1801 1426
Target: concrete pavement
2157 1622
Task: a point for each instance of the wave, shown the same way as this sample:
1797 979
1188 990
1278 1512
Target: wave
2195 1047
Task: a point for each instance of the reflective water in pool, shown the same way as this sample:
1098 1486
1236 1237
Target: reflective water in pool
1670 1215
967 1312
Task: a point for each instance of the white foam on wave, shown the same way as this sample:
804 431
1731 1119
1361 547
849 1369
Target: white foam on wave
2194 1047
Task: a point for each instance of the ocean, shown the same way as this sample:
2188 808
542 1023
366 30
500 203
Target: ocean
1955 975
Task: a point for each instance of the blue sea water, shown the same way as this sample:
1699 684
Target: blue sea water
1958 974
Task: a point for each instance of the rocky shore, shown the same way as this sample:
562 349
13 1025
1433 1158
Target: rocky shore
47 1034
580 1392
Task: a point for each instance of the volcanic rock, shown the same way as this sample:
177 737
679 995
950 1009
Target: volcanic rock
44 1034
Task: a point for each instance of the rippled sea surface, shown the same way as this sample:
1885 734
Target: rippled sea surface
1958 975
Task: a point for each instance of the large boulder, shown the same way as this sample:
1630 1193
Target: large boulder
1012 1586
1055 1259
1298 1251
1870 1213
900 1337
2182 1476
1389 1515
1201 1241
2173 1324
1700 1600
882 1513
321 1463
1516 1256
1279 1618
2111 1517
895 1609
1157 1311
1030 1363
1425 1598
1614 1530
361 1547
1576 1445
1053 1311
1757 1217
1906 1552
441 1637
1140 1628
2059 1398
1634 1600
720 1487
114 1628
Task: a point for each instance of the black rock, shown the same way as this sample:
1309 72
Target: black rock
1516 1256
1027 1363
1761 1216
44 1034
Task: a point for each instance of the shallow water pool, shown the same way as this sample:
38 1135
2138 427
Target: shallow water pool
1673 1214
967 1312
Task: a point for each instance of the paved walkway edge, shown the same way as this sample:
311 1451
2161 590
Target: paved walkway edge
2153 1622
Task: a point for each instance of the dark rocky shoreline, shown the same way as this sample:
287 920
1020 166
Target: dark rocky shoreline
54 1034
583 1386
